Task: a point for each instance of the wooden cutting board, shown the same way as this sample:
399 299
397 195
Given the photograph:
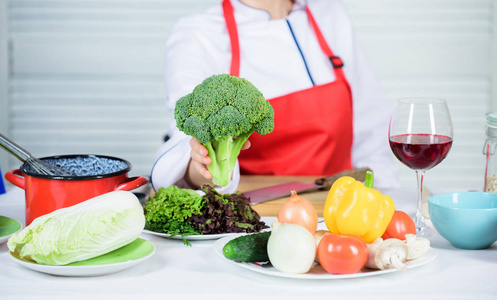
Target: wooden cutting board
270 208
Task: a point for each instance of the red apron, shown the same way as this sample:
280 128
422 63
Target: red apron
313 127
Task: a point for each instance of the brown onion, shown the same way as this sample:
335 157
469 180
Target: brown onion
298 210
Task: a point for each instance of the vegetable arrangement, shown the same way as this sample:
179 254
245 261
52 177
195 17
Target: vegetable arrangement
224 213
184 212
400 225
355 208
291 248
82 231
248 248
342 254
298 210
168 210
364 231
221 113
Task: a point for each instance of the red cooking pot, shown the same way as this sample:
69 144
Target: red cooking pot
94 175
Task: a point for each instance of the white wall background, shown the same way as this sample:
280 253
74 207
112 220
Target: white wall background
86 76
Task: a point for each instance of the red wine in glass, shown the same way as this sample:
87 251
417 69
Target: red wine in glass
420 151
420 136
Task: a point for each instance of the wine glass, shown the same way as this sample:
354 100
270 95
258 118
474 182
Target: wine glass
420 136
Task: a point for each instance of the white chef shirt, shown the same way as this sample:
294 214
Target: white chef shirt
198 46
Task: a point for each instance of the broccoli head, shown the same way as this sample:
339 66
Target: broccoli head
221 113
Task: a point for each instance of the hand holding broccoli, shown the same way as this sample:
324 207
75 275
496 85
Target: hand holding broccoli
221 113
198 173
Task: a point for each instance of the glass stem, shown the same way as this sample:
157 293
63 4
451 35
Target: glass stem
420 220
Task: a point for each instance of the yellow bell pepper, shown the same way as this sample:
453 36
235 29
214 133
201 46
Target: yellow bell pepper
355 208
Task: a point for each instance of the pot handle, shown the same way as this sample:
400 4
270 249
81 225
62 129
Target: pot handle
132 183
16 177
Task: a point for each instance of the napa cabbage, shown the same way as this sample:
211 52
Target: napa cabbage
82 231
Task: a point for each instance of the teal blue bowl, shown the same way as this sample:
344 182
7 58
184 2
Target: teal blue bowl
467 220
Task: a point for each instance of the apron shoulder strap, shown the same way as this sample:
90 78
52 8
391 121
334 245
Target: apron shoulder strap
229 18
335 60
231 27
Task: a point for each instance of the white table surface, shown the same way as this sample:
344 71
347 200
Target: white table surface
179 272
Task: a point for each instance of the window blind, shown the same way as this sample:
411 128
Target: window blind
86 76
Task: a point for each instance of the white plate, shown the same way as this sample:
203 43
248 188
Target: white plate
8 227
194 237
125 257
317 272
200 237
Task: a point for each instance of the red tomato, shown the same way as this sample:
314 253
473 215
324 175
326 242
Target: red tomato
342 254
400 225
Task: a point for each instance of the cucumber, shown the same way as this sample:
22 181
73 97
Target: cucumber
248 248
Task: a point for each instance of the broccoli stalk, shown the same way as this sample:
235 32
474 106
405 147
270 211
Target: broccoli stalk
224 154
221 113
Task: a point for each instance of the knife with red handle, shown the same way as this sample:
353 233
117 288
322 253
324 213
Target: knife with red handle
283 190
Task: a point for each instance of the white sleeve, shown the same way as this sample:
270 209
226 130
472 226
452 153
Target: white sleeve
172 162
190 58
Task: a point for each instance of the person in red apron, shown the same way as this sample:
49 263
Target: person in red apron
313 127
314 124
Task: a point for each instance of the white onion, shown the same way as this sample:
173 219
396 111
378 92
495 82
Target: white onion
291 248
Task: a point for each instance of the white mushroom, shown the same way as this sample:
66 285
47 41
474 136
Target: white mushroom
416 246
318 235
387 254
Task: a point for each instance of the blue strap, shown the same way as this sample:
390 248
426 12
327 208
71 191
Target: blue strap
2 186
301 54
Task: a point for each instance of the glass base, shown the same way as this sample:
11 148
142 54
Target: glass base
426 230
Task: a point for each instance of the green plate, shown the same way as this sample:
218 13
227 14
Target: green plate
115 261
8 227
135 250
